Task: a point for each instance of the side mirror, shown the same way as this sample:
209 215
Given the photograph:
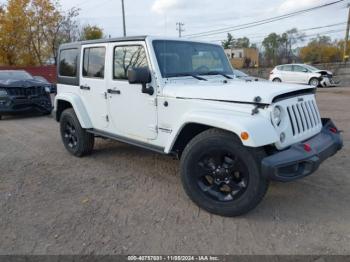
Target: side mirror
305 70
141 76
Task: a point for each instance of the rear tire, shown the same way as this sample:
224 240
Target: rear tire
231 188
277 80
76 140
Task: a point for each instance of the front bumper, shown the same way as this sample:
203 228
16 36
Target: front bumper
13 105
296 162
328 82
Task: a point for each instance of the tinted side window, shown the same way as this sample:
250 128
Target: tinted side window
94 62
287 68
68 62
127 57
298 68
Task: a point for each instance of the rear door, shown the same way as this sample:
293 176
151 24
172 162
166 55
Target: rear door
93 84
287 73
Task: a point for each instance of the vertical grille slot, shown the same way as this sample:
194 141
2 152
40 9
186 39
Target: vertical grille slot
313 113
316 111
303 117
296 119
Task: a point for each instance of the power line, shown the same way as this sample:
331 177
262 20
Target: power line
301 30
260 22
317 34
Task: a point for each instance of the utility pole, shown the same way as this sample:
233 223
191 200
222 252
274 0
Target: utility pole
346 55
179 27
124 27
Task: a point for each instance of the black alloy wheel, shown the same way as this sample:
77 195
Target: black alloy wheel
221 175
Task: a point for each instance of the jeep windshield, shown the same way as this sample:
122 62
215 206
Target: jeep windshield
182 58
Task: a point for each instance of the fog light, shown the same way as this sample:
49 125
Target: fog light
282 137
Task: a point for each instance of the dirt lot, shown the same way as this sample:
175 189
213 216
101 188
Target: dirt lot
124 200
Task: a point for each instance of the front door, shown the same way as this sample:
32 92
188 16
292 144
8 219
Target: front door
133 113
300 74
93 84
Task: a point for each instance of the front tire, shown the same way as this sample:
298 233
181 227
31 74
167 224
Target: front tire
76 140
222 176
314 82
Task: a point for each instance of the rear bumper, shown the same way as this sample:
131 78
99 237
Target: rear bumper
12 106
295 162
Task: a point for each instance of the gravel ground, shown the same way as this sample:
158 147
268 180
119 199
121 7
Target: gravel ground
124 200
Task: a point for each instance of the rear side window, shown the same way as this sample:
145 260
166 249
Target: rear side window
127 57
68 62
94 62
286 68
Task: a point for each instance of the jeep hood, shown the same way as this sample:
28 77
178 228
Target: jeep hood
233 91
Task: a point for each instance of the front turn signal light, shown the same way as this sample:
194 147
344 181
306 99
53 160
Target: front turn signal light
244 136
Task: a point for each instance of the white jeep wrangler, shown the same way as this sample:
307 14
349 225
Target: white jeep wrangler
181 98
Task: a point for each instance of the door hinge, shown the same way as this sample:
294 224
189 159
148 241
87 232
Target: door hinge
107 118
106 95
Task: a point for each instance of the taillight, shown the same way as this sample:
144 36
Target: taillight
271 73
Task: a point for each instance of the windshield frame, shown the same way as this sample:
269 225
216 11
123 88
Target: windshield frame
222 57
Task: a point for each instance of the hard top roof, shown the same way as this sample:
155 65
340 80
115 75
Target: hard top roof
105 40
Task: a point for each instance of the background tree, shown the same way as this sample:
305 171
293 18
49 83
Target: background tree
65 30
89 32
321 50
243 42
14 46
290 38
226 44
32 30
272 48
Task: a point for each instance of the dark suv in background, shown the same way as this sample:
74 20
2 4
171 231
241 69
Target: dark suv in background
21 92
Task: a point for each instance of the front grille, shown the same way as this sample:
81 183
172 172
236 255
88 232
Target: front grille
26 91
304 116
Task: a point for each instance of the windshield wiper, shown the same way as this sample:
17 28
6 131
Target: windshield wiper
188 74
213 73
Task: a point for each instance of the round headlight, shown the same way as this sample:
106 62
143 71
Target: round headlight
277 115
47 89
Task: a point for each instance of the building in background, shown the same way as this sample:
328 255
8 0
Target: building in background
243 57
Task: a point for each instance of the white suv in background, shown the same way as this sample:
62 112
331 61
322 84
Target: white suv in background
302 74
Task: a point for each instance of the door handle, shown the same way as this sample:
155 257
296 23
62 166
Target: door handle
85 87
113 92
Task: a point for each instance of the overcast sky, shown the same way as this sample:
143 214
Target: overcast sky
159 17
